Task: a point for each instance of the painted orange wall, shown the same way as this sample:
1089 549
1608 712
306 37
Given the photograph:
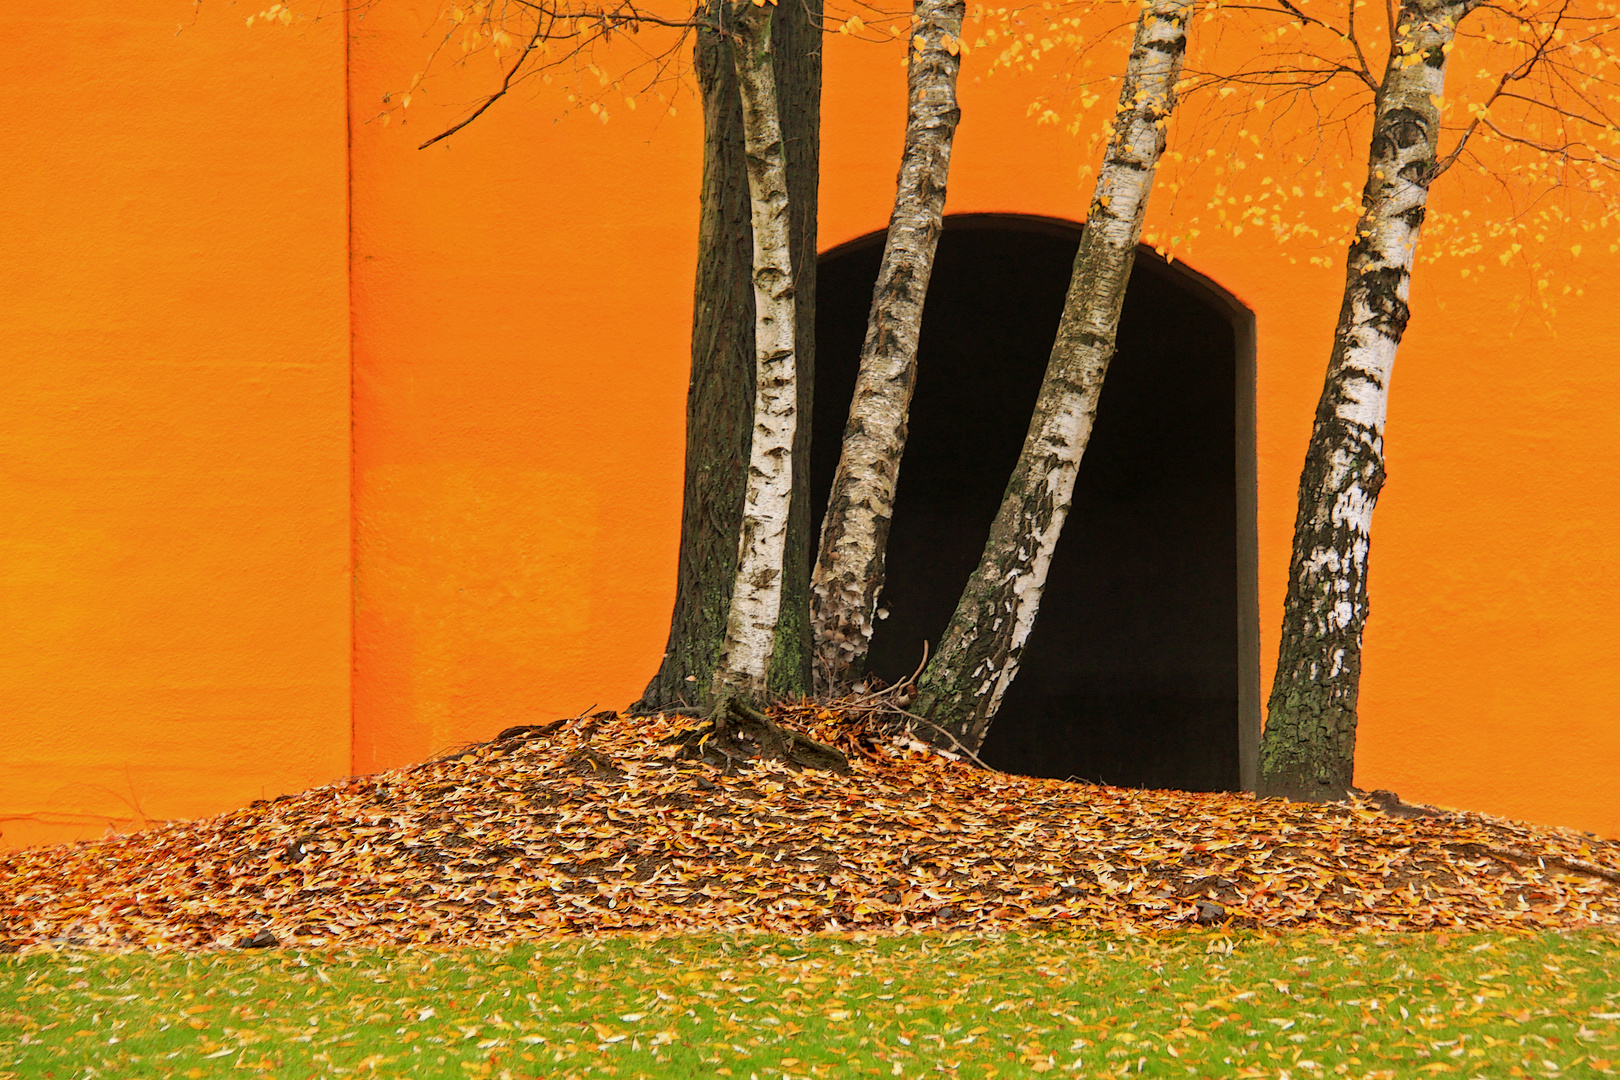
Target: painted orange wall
522 312
521 304
174 438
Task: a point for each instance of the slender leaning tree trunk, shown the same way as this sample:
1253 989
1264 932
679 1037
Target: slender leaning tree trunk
1308 750
963 685
848 577
756 594
720 397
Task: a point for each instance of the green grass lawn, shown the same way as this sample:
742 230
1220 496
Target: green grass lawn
1188 1004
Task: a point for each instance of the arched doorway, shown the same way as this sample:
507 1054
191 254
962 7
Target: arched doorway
1142 669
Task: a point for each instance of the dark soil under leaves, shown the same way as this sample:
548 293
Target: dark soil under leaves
607 824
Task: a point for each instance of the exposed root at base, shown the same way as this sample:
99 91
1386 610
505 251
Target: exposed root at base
737 733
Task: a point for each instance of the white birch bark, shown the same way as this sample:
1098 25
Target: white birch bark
720 393
848 575
978 657
1308 749
756 596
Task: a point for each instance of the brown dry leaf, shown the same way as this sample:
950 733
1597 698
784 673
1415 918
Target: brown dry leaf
597 824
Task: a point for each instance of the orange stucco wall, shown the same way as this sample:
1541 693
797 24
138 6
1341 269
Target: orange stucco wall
522 311
174 444
521 302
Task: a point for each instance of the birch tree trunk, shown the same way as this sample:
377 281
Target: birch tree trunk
977 660
848 576
720 397
1308 749
756 594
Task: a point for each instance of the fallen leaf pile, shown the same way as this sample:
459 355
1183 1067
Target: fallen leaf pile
600 824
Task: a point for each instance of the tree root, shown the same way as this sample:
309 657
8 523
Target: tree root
738 733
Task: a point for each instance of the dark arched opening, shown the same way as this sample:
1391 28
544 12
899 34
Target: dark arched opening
1142 668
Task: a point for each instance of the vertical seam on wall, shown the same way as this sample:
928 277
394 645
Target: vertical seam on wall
348 254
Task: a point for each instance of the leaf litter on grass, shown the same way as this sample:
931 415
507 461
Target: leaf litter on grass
600 824
1207 1003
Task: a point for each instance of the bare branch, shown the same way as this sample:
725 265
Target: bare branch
1513 75
506 84
1348 35
551 25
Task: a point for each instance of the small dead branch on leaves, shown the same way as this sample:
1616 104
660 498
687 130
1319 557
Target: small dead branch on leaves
738 733
1542 861
876 713
523 732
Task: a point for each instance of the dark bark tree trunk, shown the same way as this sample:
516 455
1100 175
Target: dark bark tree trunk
978 657
848 576
720 395
1308 749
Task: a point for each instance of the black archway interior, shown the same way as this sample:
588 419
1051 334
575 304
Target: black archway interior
1131 674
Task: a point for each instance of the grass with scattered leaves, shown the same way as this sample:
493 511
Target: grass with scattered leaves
1189 1003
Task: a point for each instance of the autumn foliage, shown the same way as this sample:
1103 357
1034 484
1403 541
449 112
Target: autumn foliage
610 823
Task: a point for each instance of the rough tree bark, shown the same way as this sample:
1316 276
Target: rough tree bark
977 660
1308 749
848 576
720 397
744 665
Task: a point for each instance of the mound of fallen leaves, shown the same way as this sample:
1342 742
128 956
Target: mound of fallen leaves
608 823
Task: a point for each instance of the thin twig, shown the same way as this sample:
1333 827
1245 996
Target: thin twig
915 675
1355 43
506 84
970 755
1350 36
1511 76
